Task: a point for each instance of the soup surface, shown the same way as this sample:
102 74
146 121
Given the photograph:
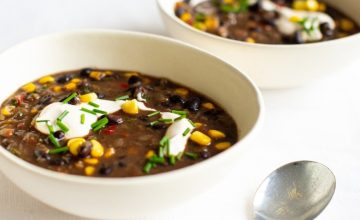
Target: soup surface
268 21
112 124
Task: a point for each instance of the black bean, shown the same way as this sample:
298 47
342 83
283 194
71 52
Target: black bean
122 164
115 119
134 80
59 134
75 101
134 91
193 104
64 79
85 150
205 153
254 7
100 95
45 99
41 155
326 29
143 118
159 126
57 162
179 11
176 99
5 142
85 72
105 170
298 39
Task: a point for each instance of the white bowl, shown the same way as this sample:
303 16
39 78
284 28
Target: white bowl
273 66
114 198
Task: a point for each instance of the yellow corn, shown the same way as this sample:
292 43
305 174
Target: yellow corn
8 110
88 97
70 86
250 40
34 110
46 79
208 105
149 154
312 5
228 2
200 138
295 19
29 88
216 134
97 75
91 161
211 23
130 107
222 145
57 88
97 149
109 152
181 91
346 24
129 74
76 80
299 5
108 72
200 25
198 124
74 145
185 17
89 170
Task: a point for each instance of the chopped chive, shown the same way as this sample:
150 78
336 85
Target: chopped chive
165 120
69 98
172 160
51 128
53 140
191 155
62 126
179 112
186 132
154 123
179 156
192 123
88 111
39 121
62 115
167 148
94 104
97 128
157 159
153 114
82 119
124 97
147 167
161 151
164 141
100 122
179 118
58 150
100 111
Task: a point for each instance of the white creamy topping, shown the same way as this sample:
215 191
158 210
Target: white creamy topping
288 27
177 141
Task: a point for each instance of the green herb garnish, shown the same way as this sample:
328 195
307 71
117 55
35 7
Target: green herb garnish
53 140
153 114
187 130
181 113
51 128
154 123
94 104
100 122
88 111
192 123
58 150
157 159
164 141
40 121
100 111
82 119
191 155
62 126
179 118
148 167
165 120
172 160
62 115
69 98
124 97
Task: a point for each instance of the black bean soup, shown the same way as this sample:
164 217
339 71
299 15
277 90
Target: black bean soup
124 142
268 21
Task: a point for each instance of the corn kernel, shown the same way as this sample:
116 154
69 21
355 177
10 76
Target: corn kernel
91 161
34 110
228 2
8 110
129 74
250 40
70 86
299 5
130 107
88 97
322 7
149 154
186 17
89 170
295 19
200 138
108 72
312 5
97 149
76 80
74 145
29 88
182 91
46 79
198 124
346 24
208 105
200 25
97 75
211 23
222 145
109 152
57 88
216 134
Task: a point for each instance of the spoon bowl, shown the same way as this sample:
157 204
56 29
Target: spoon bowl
299 191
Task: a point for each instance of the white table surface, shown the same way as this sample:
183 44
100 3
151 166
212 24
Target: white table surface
319 122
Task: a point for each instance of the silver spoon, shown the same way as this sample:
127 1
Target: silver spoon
296 191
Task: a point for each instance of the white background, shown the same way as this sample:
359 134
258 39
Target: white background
319 122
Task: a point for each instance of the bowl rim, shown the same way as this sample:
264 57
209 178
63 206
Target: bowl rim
153 178
172 17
